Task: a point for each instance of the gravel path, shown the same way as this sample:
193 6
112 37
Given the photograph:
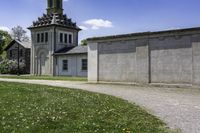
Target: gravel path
179 108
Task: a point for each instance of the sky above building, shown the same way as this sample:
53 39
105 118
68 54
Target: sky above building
108 17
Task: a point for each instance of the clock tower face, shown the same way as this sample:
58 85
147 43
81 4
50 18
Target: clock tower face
55 6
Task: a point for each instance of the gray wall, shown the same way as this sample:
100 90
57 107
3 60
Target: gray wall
47 65
163 58
74 34
113 57
74 65
45 49
93 62
171 60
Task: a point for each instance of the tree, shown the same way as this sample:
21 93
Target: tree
18 33
84 42
5 39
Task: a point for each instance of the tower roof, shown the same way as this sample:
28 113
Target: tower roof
54 16
54 19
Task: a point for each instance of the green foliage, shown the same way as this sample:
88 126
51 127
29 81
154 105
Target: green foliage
11 67
42 109
3 55
5 39
84 43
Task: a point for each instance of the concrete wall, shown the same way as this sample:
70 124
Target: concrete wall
118 59
93 62
172 58
127 60
48 49
196 59
74 34
74 65
41 49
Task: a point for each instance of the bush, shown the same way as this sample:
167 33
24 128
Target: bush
11 67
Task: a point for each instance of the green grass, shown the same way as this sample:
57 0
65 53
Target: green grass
42 109
62 78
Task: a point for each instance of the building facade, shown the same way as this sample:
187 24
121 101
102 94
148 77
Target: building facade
72 61
171 57
23 53
50 34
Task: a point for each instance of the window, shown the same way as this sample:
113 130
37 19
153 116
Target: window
11 53
65 65
66 38
61 37
84 64
21 52
42 37
46 36
70 38
38 37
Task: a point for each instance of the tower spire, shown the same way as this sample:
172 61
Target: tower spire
55 6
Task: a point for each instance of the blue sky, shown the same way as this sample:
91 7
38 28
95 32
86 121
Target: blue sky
108 17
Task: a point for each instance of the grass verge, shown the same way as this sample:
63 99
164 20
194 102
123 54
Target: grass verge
62 78
28 108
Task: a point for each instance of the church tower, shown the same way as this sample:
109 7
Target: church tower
55 6
50 33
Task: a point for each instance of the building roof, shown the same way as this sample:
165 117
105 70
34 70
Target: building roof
26 45
54 19
143 34
72 50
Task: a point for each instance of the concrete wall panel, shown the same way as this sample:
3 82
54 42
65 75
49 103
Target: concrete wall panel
171 60
93 62
117 61
142 61
117 67
196 63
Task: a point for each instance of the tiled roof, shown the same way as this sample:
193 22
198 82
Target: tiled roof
54 19
78 50
24 44
72 50
63 50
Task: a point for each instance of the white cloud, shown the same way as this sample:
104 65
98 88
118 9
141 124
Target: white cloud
4 28
96 24
83 27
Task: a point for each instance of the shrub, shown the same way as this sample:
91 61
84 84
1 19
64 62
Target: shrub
11 67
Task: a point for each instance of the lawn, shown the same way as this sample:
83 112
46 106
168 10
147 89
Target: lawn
42 109
63 78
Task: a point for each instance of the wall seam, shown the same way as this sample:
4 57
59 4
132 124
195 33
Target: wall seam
149 60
